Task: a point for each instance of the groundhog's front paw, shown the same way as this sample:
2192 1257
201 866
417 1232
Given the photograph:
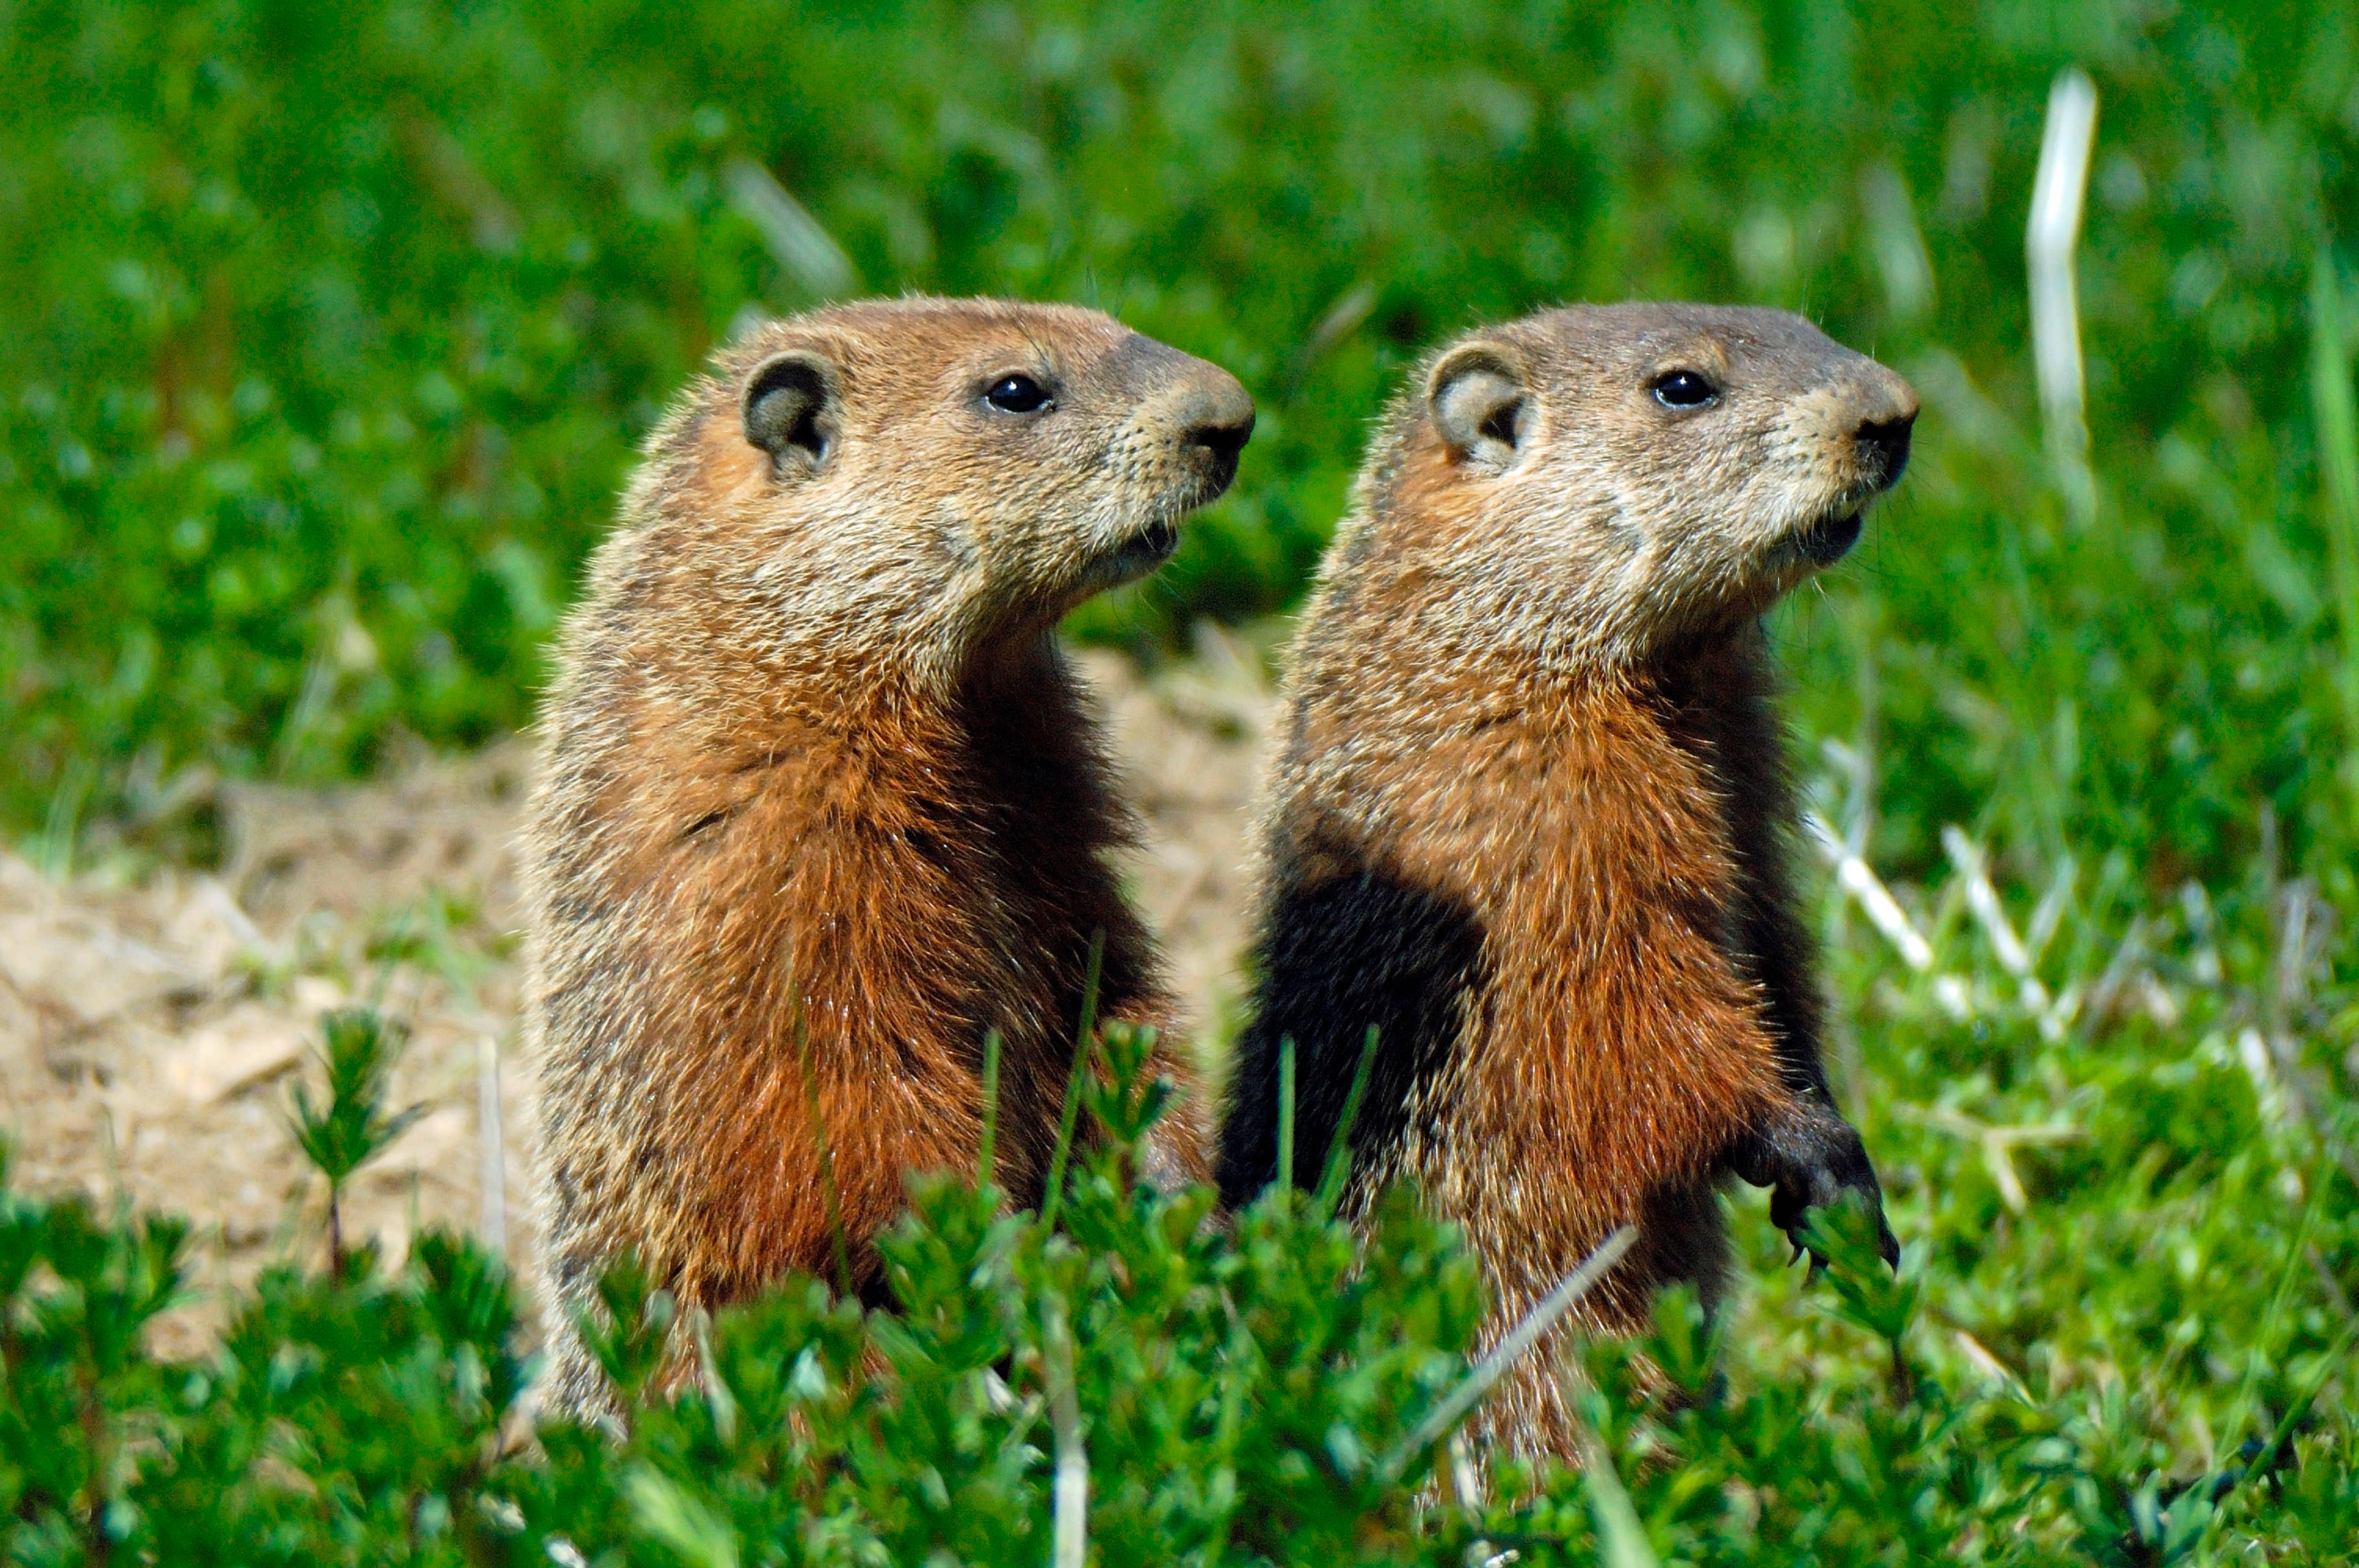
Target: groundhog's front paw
1811 1156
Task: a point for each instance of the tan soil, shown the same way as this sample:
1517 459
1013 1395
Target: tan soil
148 1033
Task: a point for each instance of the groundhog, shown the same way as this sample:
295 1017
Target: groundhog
1527 813
820 803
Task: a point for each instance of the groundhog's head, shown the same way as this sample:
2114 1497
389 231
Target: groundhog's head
937 472
1605 478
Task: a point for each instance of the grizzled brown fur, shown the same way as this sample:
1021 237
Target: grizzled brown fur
1527 814
811 746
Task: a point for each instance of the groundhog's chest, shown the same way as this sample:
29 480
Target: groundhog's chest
1556 826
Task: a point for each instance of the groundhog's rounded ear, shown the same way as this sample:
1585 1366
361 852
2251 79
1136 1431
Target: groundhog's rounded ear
1477 395
789 406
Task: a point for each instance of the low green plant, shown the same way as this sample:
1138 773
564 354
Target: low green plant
352 1125
1139 1382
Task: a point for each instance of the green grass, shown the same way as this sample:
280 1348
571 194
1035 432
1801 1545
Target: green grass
328 332
324 336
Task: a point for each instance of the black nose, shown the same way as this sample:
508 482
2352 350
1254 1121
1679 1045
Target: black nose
1213 411
1883 446
1225 439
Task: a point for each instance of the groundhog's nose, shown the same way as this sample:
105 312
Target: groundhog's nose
1198 407
1217 413
1881 439
1883 447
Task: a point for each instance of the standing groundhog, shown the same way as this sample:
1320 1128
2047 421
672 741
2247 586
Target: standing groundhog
812 763
1527 817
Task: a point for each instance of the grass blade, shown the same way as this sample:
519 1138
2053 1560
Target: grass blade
666 1512
1460 1401
1339 1145
1621 1540
492 1138
1053 1194
1285 1113
2059 191
2338 466
982 1159
796 239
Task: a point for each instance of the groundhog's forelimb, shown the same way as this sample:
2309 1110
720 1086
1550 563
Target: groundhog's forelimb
1811 1157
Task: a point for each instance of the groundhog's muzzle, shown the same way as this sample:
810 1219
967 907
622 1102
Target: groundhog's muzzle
1180 446
1202 412
1877 456
1216 419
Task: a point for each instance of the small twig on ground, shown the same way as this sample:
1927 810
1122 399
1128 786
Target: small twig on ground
1858 879
2014 956
1998 1144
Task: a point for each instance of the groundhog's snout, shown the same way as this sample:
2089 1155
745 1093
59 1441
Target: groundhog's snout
1214 414
1218 415
1880 444
1206 412
1878 409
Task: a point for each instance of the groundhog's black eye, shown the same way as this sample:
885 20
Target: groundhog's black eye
1017 395
1683 389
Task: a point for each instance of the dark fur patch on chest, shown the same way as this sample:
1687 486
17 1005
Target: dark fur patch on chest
1339 957
1719 704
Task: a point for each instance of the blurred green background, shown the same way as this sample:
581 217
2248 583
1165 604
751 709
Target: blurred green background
326 334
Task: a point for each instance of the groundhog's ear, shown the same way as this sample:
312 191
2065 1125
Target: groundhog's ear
1477 396
789 406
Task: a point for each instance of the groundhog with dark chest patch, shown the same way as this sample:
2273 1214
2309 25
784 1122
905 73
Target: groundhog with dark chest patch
1529 813
821 804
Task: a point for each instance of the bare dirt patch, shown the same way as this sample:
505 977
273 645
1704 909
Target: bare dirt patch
148 1032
